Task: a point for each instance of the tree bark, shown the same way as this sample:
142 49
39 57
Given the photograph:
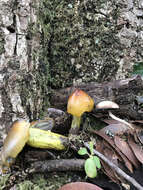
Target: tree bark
58 165
21 92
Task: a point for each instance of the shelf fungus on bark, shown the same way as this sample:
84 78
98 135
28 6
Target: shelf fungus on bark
14 143
78 103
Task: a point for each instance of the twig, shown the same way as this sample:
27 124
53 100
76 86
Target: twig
117 169
120 120
58 165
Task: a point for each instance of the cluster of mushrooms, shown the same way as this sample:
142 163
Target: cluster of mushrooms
23 132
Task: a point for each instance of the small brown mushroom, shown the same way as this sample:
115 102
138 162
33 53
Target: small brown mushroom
112 105
107 105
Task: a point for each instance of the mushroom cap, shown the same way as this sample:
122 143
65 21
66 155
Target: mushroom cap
79 102
15 140
107 105
80 186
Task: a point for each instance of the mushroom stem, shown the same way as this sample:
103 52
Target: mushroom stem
78 103
120 120
75 125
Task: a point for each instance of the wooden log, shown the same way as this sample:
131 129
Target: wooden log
123 92
58 165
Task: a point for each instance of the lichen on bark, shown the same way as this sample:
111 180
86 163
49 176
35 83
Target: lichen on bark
23 87
90 40
80 37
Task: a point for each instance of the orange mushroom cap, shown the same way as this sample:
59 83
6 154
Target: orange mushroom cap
79 102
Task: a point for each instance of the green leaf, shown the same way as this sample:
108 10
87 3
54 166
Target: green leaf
82 151
97 162
91 147
90 168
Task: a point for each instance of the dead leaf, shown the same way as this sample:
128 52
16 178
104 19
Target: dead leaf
140 136
115 129
107 150
120 154
137 121
110 153
110 121
138 150
109 172
126 150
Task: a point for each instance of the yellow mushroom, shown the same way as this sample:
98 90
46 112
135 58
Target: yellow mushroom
46 139
14 143
23 132
78 103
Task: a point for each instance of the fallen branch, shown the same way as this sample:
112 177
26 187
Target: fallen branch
123 92
117 169
58 165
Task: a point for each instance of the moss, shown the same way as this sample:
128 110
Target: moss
78 43
38 181
35 85
34 94
3 181
79 40
1 42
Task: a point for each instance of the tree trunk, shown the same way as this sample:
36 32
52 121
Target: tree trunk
21 94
